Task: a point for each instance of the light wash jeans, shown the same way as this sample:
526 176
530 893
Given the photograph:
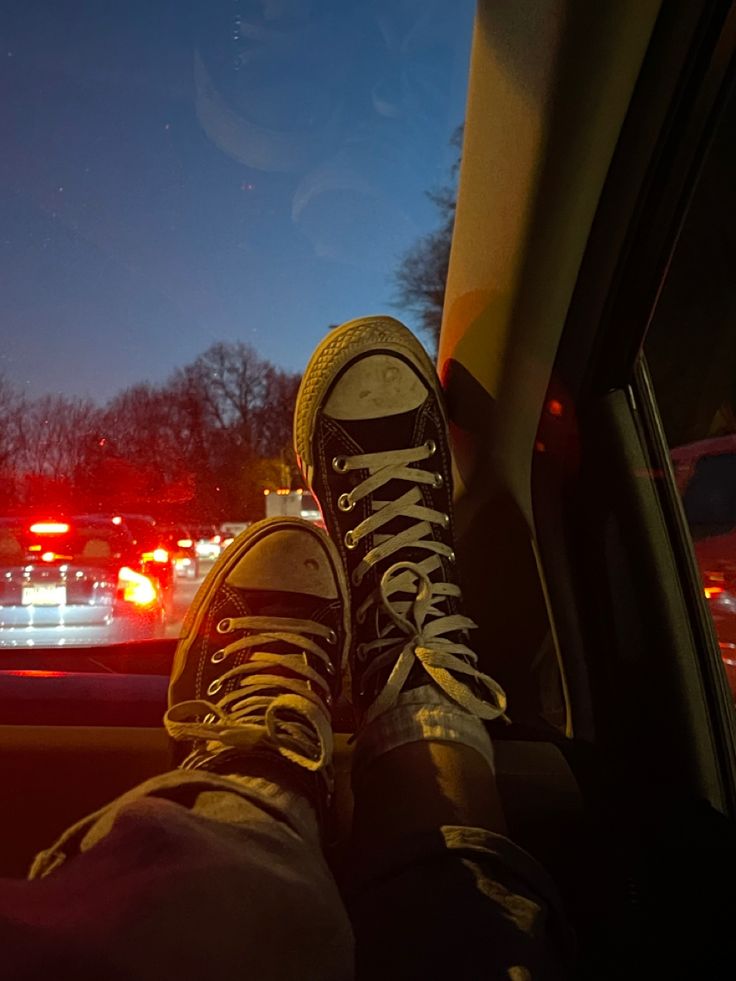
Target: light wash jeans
194 876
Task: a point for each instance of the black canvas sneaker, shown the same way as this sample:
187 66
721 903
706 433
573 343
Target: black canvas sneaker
259 662
371 438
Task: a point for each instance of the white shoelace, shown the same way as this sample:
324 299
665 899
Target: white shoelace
419 620
294 720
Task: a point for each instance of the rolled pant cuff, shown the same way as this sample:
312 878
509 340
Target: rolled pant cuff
419 714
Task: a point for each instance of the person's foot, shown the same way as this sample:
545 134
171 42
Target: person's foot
370 434
259 662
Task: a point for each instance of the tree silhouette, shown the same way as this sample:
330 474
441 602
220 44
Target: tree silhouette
203 445
422 273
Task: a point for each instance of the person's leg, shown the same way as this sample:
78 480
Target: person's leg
440 891
448 783
215 869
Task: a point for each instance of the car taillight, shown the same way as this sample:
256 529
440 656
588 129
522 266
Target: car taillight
714 583
136 588
216 539
49 528
184 543
159 555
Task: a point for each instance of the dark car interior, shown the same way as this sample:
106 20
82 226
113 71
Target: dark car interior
618 770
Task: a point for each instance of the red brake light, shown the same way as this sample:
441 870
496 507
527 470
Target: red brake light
160 555
714 584
117 520
136 588
49 528
217 539
184 543
711 591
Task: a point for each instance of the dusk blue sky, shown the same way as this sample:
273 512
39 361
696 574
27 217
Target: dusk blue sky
176 173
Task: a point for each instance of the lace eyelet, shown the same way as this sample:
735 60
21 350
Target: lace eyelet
438 481
350 542
345 503
452 557
223 627
330 668
328 700
431 447
339 464
445 520
332 638
218 656
214 687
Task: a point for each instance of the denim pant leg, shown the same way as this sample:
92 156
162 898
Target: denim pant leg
190 876
460 903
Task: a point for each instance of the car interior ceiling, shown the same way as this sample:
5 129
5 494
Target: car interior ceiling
607 661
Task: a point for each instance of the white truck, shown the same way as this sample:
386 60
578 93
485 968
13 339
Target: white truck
293 503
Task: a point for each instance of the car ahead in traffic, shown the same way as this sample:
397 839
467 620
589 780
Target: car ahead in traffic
207 541
705 472
73 582
180 544
156 558
150 543
230 531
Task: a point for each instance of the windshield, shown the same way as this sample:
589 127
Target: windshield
191 195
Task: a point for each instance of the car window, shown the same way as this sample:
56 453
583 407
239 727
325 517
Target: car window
691 354
191 195
709 495
53 541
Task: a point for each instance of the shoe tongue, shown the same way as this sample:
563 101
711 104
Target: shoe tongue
277 605
370 434
295 606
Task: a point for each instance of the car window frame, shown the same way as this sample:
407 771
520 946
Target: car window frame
683 84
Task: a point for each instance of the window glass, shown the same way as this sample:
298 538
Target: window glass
691 353
191 194
709 495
